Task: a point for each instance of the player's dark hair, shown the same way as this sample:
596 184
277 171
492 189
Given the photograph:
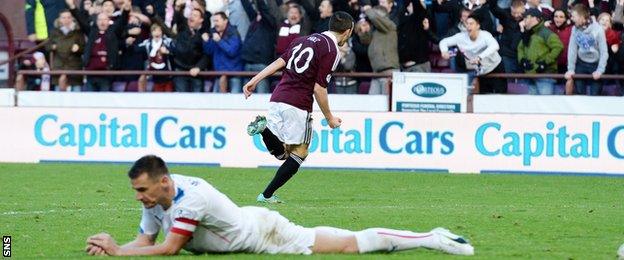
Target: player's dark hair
340 22
152 165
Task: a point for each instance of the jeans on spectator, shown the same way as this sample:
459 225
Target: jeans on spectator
263 85
541 86
580 85
188 84
234 84
99 83
378 86
511 66
453 64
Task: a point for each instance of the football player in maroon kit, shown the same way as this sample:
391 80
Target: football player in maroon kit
287 129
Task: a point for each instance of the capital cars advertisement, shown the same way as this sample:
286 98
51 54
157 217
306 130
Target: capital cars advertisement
447 142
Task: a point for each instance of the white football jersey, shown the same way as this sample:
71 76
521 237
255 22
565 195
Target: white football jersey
213 221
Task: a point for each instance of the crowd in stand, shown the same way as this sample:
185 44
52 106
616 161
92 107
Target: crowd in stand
477 37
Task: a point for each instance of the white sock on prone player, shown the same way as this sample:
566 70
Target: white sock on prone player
335 231
382 239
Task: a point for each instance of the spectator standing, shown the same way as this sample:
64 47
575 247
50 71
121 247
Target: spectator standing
511 33
360 41
40 16
618 13
478 8
156 51
224 46
546 9
132 57
290 29
587 53
480 51
66 45
382 51
101 50
538 52
413 40
456 62
346 85
187 51
41 82
259 45
391 8
613 42
238 17
326 10
562 27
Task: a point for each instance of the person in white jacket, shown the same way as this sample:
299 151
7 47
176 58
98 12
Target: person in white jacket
480 51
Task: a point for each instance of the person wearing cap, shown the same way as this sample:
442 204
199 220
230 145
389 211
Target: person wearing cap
538 52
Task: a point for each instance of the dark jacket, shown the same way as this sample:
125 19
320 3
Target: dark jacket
511 35
64 58
360 48
112 37
321 25
454 7
51 8
187 48
413 39
259 44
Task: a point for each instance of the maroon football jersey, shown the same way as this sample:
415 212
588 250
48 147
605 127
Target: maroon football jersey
309 59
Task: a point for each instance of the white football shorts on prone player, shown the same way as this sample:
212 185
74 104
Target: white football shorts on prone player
277 235
290 124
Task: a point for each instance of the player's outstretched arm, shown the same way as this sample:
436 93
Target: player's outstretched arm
171 246
141 240
320 94
268 71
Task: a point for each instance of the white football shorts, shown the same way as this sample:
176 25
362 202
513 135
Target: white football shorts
290 124
277 235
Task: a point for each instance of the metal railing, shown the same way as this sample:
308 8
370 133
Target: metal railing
182 73
251 74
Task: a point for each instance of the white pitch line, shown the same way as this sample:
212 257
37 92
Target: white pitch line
62 211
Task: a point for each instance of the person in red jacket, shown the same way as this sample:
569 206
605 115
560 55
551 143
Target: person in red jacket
613 44
563 28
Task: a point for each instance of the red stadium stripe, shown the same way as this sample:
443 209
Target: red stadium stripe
181 232
188 221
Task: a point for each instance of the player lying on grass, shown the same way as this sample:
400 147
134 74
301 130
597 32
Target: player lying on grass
195 216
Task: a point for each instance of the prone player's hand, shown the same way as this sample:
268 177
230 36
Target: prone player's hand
92 249
105 242
248 89
334 122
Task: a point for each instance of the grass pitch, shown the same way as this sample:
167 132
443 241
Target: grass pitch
50 209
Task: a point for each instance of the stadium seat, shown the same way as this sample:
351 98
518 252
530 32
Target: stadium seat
517 88
363 88
559 89
611 90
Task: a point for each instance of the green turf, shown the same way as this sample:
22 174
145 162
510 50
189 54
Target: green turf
50 209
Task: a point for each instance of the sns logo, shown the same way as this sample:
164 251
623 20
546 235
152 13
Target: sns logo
6 246
429 90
